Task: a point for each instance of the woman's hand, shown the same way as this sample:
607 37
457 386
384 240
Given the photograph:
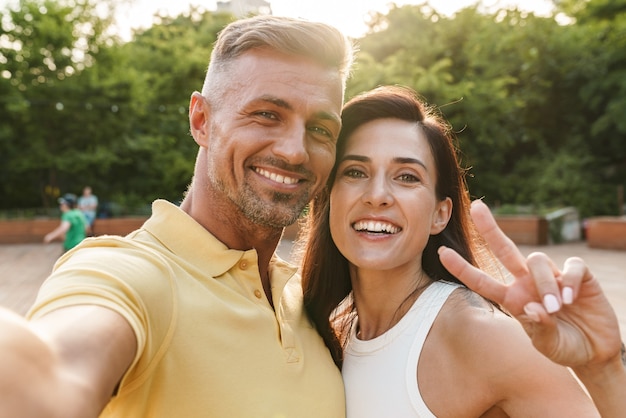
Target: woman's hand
565 312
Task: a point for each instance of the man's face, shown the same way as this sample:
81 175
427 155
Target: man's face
272 135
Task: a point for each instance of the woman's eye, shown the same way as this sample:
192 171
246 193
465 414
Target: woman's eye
408 178
354 173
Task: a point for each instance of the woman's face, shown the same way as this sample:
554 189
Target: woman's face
383 206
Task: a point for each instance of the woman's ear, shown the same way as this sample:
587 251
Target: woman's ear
199 115
442 215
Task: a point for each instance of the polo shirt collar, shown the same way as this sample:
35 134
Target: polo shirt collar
185 237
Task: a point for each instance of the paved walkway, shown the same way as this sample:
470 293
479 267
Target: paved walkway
23 267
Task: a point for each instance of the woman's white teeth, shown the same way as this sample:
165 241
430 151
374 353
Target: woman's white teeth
373 226
276 177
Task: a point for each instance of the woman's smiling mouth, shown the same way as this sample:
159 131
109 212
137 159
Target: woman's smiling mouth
376 227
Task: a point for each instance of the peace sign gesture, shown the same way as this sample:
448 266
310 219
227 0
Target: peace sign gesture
565 312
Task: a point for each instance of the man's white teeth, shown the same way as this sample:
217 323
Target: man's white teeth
276 177
372 226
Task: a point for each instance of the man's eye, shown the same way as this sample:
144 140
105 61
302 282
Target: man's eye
319 130
267 115
322 132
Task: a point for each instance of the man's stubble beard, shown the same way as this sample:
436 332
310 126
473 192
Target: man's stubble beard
279 212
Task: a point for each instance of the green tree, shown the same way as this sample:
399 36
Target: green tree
603 24
537 105
169 61
529 98
45 45
114 117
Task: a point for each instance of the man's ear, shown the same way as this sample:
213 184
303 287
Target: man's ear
442 215
199 115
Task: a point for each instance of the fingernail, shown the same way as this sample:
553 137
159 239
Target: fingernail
550 303
568 295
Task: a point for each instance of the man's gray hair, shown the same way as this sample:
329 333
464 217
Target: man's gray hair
319 42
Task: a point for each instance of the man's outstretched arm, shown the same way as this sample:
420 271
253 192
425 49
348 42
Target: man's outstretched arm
65 364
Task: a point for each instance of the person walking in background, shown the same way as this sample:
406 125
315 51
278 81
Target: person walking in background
73 224
88 204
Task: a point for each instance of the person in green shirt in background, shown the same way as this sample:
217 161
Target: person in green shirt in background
73 224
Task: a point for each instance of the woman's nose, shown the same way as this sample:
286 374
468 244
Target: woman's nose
378 192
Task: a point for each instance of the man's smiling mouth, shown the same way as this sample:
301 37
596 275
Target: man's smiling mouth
276 177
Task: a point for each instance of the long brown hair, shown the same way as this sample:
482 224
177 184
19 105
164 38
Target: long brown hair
326 277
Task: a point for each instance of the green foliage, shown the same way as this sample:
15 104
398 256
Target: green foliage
45 46
83 108
537 107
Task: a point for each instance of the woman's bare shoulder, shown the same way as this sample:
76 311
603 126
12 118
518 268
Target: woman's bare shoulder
475 328
481 341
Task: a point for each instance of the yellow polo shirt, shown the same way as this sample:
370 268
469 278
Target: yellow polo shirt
209 343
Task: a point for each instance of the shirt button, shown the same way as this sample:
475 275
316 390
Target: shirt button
243 265
258 293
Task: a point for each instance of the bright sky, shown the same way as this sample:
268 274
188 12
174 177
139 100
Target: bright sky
347 15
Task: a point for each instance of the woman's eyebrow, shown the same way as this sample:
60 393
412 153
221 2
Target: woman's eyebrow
397 160
354 157
407 160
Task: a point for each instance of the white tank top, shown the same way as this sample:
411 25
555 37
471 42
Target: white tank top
380 375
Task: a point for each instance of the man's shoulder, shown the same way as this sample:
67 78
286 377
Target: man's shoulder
116 258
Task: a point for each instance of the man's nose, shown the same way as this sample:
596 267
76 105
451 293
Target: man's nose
291 145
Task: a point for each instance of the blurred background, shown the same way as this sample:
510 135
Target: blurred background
96 93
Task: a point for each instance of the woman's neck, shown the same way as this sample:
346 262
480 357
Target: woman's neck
383 298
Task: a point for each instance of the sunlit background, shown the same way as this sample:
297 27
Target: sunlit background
348 15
